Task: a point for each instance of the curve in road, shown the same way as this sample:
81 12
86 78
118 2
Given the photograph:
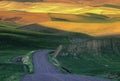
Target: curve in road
45 71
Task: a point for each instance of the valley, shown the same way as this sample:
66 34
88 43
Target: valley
17 44
88 30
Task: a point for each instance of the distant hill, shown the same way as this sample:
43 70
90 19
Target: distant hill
93 29
87 2
82 2
45 29
112 6
22 17
85 18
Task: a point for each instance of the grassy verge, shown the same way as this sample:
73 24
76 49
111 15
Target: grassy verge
56 63
11 70
89 67
27 59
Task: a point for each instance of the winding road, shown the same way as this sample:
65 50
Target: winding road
45 71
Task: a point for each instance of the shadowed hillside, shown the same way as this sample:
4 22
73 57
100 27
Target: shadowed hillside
44 29
112 6
12 38
34 36
85 18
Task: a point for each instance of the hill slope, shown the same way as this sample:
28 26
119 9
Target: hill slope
44 29
97 57
12 38
34 36
93 29
21 17
16 46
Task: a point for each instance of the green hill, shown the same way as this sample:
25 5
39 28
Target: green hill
12 38
34 36
9 25
97 57
17 41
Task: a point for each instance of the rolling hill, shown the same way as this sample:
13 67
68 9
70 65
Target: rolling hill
21 17
16 39
63 8
87 2
66 22
93 29
85 18
17 42
95 25
34 36
52 31
87 23
81 2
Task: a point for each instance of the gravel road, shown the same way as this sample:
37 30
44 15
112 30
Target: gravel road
45 71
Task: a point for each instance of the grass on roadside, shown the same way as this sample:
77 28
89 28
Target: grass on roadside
13 71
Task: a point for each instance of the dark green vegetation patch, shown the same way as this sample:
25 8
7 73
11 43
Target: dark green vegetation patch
87 18
11 67
98 57
112 6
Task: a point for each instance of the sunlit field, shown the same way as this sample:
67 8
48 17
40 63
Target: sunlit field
94 29
63 8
